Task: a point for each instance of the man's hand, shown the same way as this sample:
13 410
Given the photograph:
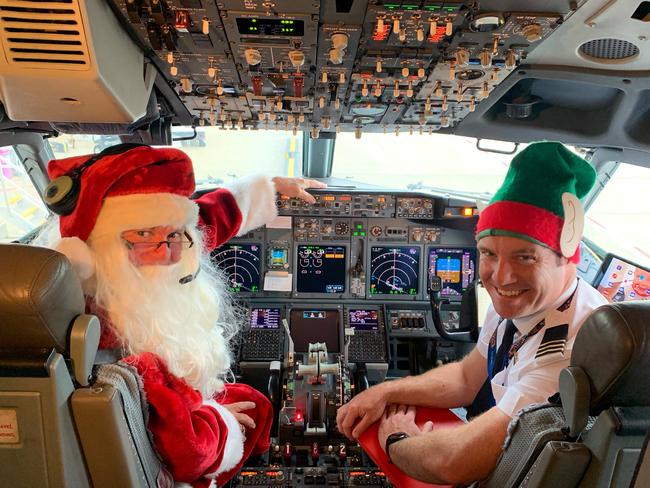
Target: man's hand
295 187
363 410
400 418
244 420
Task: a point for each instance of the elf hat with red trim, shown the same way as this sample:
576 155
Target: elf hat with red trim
539 200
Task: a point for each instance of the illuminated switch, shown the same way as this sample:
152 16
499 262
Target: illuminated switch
182 20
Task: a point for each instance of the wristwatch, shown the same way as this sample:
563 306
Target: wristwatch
392 439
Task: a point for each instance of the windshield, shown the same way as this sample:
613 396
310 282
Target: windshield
618 219
218 155
437 161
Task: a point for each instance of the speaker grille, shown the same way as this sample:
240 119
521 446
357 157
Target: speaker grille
43 34
611 49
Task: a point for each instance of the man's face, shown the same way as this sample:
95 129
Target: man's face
521 277
160 246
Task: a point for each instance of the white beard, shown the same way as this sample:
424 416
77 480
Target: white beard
187 325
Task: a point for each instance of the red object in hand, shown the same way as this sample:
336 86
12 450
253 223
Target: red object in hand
369 441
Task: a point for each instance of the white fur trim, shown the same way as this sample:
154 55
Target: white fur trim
144 210
255 196
234 448
79 254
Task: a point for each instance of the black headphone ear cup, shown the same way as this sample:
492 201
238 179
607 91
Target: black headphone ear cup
61 194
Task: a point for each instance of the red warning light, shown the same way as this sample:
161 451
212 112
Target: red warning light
439 34
298 417
182 20
383 34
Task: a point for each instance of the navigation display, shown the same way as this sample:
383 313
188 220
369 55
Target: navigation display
363 319
394 270
622 281
456 267
321 269
309 325
265 318
241 263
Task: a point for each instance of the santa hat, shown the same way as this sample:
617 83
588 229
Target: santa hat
539 200
138 188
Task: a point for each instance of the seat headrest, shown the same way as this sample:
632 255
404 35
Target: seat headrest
613 349
40 296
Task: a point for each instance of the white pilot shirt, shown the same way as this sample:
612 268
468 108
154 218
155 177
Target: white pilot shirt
533 372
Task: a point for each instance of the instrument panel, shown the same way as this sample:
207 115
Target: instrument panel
337 295
355 246
331 66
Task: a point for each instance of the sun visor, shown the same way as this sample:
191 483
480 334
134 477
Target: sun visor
70 61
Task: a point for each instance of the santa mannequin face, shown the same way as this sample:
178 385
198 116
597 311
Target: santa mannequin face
156 246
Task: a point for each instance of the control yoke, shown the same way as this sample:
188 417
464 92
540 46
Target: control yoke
467 330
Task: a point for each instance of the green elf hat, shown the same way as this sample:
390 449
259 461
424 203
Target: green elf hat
539 200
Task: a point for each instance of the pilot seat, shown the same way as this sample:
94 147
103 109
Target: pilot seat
64 421
592 433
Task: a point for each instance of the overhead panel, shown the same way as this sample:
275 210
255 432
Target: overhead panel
328 66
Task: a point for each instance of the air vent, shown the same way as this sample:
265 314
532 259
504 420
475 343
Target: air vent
43 34
609 50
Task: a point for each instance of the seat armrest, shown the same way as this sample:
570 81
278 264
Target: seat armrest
559 464
110 454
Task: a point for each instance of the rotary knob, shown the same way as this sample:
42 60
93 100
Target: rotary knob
532 32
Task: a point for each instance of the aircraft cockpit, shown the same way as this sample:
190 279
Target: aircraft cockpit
409 110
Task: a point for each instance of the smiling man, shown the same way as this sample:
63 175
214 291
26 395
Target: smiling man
528 239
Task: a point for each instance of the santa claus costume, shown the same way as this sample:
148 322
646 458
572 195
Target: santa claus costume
171 322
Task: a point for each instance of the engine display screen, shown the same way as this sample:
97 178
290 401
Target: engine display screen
456 267
241 263
271 27
265 318
309 325
363 319
394 270
321 269
622 281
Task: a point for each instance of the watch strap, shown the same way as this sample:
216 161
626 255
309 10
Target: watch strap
392 439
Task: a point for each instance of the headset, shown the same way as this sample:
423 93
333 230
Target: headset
62 193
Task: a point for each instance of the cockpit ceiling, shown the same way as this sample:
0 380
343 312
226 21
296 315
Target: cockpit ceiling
572 71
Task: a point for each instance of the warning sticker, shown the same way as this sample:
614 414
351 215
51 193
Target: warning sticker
8 427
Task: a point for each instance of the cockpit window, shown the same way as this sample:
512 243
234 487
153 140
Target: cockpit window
21 208
617 220
218 155
420 162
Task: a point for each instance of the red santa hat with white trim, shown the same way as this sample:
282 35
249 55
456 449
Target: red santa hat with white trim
539 199
125 187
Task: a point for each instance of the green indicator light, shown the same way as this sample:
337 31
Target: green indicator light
363 233
359 226
356 233
253 20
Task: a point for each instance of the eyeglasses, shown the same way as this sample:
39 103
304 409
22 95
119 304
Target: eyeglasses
176 243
